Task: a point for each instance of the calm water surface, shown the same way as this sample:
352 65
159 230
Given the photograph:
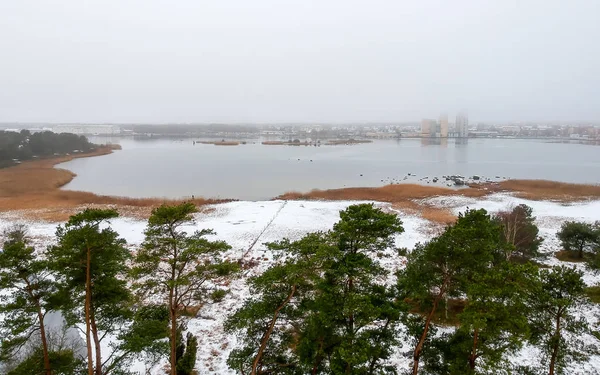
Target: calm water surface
167 168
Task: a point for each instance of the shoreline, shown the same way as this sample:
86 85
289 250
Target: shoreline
34 188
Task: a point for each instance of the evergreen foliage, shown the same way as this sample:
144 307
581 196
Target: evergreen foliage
24 145
62 362
187 360
90 263
177 267
26 298
326 301
556 326
326 306
580 237
445 266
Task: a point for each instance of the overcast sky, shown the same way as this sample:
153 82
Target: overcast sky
302 61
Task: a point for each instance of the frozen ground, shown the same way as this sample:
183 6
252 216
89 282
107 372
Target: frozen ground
246 226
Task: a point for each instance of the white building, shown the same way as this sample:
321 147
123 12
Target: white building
462 125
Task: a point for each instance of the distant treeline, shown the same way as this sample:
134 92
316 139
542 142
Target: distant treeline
16 147
181 130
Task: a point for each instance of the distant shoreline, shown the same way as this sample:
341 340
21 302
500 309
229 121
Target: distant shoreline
34 187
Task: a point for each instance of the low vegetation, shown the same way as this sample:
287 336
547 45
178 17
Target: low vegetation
325 306
581 243
572 256
549 190
593 293
222 143
579 237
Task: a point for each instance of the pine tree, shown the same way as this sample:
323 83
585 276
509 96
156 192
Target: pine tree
327 301
441 269
559 293
577 236
144 333
493 324
177 267
187 360
63 362
25 279
90 263
267 320
351 327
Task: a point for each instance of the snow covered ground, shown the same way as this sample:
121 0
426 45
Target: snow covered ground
246 226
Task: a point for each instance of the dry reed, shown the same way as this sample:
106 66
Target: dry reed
550 190
34 187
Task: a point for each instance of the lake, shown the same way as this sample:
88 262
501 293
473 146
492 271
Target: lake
178 168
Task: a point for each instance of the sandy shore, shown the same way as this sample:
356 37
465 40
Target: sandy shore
33 188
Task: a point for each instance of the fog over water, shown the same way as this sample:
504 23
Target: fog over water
165 168
299 60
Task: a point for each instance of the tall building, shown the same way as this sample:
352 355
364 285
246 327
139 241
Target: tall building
444 126
428 128
462 125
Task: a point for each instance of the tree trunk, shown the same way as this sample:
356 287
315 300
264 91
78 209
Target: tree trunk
473 355
421 343
375 358
36 302
47 368
315 368
173 304
556 346
173 316
88 300
263 343
350 323
97 347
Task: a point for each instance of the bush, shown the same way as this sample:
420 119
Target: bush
218 295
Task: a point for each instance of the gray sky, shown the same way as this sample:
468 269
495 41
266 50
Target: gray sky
304 60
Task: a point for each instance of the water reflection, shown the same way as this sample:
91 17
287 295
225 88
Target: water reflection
443 142
177 168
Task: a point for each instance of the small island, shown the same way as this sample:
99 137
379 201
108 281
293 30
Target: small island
221 143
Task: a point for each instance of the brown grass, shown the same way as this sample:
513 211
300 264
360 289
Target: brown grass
388 193
593 293
221 143
438 215
402 196
191 311
33 187
550 190
572 256
406 196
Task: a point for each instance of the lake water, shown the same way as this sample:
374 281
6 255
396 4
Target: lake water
167 168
